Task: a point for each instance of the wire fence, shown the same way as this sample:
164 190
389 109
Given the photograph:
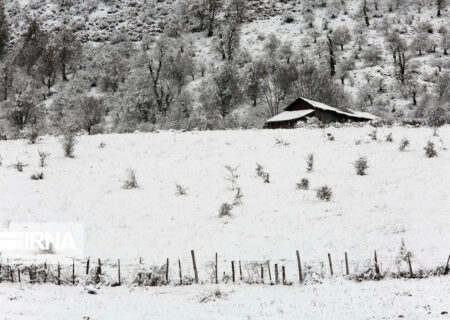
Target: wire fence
218 270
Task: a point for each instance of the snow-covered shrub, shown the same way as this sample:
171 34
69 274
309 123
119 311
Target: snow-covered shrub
32 133
430 151
37 176
151 276
131 181
330 137
288 18
324 193
373 135
361 166
389 137
43 158
261 173
19 165
181 191
232 176
303 184
212 295
68 143
281 142
102 145
238 197
403 144
369 273
309 162
225 210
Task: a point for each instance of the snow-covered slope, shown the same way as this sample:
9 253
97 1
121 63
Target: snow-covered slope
403 196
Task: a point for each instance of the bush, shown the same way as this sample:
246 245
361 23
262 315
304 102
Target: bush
131 181
303 185
261 173
324 193
181 191
43 158
19 166
403 144
389 137
430 151
225 210
373 135
309 162
361 166
238 197
69 141
232 176
37 176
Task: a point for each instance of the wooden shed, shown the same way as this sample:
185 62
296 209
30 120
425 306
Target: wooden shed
302 109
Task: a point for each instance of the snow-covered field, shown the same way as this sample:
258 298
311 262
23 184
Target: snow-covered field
391 299
404 196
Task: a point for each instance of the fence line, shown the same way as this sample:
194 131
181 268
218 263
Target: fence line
313 271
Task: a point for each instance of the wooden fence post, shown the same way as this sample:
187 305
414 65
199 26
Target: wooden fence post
346 264
179 272
99 266
59 274
276 273
377 269
118 272
232 271
299 264
262 273
167 270
240 270
283 270
87 266
446 267
270 272
410 266
216 273
331 264
11 275
73 271
195 266
45 274
1 272
18 274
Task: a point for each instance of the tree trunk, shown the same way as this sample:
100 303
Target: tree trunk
63 70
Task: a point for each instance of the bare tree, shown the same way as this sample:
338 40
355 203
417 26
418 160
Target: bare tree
68 49
331 58
276 83
341 36
90 112
440 5
7 69
364 12
162 88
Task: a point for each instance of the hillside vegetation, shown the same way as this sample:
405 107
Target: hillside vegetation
120 66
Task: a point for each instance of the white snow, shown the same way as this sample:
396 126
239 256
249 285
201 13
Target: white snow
335 299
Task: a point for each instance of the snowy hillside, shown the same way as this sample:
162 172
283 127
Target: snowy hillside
403 196
219 63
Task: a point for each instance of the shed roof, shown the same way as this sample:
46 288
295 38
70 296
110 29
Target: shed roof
347 112
290 115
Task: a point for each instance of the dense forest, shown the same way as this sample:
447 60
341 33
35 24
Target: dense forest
120 66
